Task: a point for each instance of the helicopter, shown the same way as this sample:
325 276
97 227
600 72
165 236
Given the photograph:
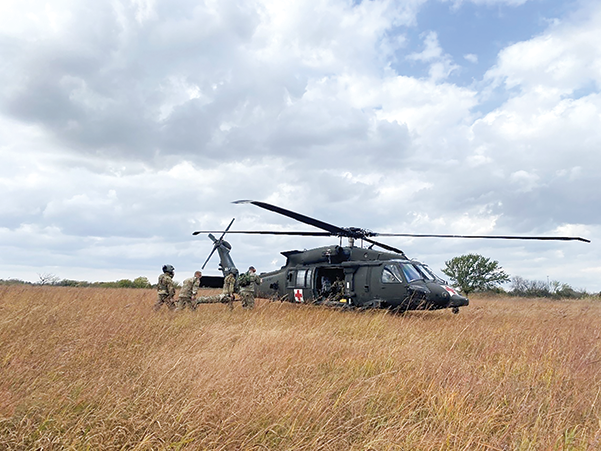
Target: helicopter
352 276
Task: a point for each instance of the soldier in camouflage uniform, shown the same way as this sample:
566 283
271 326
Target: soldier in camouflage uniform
165 288
227 295
247 292
229 289
187 295
337 291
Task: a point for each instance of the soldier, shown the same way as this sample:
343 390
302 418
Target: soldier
326 285
229 289
248 282
187 295
227 295
337 291
165 288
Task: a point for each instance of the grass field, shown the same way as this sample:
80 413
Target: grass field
90 368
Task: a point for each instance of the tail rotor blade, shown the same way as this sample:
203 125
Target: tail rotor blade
226 229
209 257
198 232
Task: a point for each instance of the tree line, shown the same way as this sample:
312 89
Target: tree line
52 280
473 273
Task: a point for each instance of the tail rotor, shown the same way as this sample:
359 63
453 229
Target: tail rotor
217 243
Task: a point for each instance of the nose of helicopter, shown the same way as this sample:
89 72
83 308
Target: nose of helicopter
456 300
445 296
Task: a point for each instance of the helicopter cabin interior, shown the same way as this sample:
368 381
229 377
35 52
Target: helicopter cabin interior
318 280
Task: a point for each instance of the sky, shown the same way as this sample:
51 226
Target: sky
126 125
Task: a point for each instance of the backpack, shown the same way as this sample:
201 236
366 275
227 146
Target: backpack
244 280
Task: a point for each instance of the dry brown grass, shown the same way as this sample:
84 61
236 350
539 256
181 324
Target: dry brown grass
88 368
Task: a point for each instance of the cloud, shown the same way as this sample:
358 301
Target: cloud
459 3
441 64
559 62
472 58
131 81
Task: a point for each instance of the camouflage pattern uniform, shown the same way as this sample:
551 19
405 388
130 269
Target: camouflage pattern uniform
247 293
187 295
166 291
229 284
213 299
227 295
337 291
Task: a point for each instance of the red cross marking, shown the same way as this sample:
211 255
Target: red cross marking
298 295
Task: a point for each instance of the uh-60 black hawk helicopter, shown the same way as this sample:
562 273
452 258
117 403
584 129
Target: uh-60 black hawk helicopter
352 276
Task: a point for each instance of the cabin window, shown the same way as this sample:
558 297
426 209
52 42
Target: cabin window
300 277
391 274
303 278
308 278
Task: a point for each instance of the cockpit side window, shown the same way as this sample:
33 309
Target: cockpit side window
391 274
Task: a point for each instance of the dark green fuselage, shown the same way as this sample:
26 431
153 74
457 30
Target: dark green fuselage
368 278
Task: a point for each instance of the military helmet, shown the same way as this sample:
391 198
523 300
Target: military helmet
169 269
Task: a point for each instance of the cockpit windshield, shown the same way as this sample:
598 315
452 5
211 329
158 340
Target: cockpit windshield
428 273
411 272
425 272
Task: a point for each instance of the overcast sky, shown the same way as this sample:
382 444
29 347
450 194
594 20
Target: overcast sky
126 125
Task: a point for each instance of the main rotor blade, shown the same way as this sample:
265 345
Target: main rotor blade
493 237
384 246
334 230
223 232
267 232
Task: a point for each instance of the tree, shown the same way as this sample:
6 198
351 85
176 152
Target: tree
69 283
48 279
473 272
125 283
538 288
141 282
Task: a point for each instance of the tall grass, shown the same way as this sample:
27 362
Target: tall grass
90 368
